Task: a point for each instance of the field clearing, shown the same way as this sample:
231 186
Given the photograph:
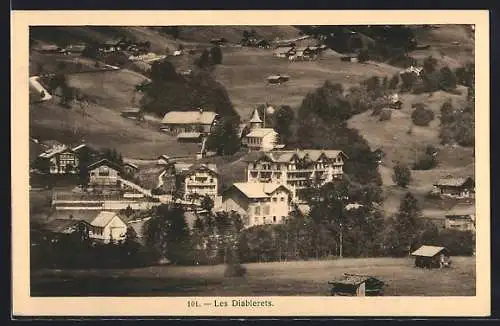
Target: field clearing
244 73
112 89
303 278
102 127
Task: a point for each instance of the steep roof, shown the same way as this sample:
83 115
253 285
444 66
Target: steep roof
189 117
258 190
211 168
60 225
453 182
284 156
261 132
428 251
103 218
283 49
53 151
255 117
106 162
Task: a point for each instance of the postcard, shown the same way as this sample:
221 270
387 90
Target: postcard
250 163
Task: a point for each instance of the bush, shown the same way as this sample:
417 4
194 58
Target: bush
385 115
447 79
363 56
401 175
426 162
422 116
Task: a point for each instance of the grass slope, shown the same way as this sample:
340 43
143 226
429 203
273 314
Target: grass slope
308 278
393 138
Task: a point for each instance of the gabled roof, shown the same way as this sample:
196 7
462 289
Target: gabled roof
453 182
261 132
103 219
61 225
258 190
459 217
211 168
280 156
190 117
428 251
106 162
55 150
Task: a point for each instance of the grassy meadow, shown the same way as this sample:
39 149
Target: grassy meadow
301 278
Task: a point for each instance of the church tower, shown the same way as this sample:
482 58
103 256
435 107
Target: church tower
255 122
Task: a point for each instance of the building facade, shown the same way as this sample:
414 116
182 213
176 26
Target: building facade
108 227
260 138
258 203
455 187
60 160
296 169
103 173
199 180
460 222
176 122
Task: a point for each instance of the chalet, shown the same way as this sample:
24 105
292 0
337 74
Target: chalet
455 187
56 228
258 203
190 137
104 173
431 257
108 227
199 120
197 180
304 52
60 160
460 222
130 168
51 48
284 51
277 79
356 285
108 46
133 113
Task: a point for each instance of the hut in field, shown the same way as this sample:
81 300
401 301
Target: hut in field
356 285
431 257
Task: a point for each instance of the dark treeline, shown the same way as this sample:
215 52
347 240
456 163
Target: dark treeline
169 91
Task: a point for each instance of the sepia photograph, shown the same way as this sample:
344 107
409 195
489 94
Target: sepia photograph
242 161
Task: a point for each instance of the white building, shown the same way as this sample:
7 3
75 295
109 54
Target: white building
108 227
258 203
295 169
259 138
198 180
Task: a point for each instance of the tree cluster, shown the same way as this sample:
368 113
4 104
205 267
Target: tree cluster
457 125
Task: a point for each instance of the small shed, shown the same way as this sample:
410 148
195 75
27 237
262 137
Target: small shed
431 257
357 285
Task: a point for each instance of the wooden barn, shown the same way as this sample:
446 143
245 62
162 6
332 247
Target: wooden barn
431 257
356 285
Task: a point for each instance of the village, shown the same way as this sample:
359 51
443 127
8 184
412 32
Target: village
191 199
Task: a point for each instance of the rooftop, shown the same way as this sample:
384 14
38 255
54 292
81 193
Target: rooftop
285 156
261 132
354 279
103 218
190 117
189 135
453 182
428 251
257 190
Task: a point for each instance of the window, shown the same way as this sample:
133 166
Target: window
264 220
257 210
282 198
275 199
274 219
104 171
